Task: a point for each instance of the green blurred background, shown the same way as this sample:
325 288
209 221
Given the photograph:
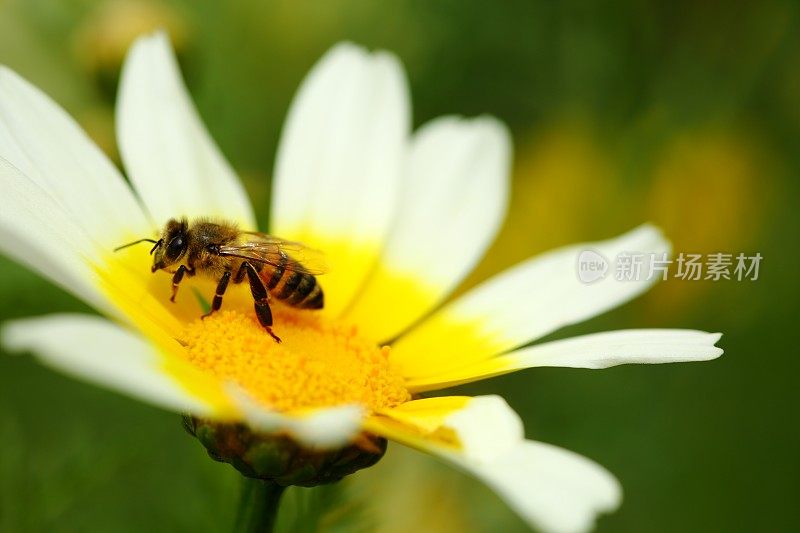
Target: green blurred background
683 113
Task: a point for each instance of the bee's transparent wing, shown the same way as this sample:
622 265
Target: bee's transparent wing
293 256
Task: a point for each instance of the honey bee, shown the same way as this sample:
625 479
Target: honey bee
221 251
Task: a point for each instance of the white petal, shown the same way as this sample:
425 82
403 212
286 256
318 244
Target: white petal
170 157
452 203
46 145
98 351
36 231
554 490
484 427
487 427
611 348
598 350
339 162
525 303
329 428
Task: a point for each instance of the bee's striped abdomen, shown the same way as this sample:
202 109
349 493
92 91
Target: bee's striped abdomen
296 289
277 273
290 283
302 290
315 299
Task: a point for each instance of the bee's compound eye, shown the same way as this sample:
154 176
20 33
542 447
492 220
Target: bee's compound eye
175 247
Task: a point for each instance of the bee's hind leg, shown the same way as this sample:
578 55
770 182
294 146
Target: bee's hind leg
260 299
222 286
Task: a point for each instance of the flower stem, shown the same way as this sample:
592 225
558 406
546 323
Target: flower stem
258 507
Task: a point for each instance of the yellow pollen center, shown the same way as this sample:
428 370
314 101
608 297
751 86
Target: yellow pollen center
319 363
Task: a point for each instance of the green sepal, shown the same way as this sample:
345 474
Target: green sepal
279 459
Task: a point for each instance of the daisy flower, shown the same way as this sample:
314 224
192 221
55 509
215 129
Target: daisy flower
402 217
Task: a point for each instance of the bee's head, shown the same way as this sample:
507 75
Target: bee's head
172 245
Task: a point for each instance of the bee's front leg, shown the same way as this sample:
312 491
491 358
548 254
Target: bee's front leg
177 277
222 286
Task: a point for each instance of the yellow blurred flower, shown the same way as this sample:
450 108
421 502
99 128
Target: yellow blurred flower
710 191
565 188
103 39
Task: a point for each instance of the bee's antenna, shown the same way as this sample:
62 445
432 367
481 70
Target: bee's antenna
118 248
